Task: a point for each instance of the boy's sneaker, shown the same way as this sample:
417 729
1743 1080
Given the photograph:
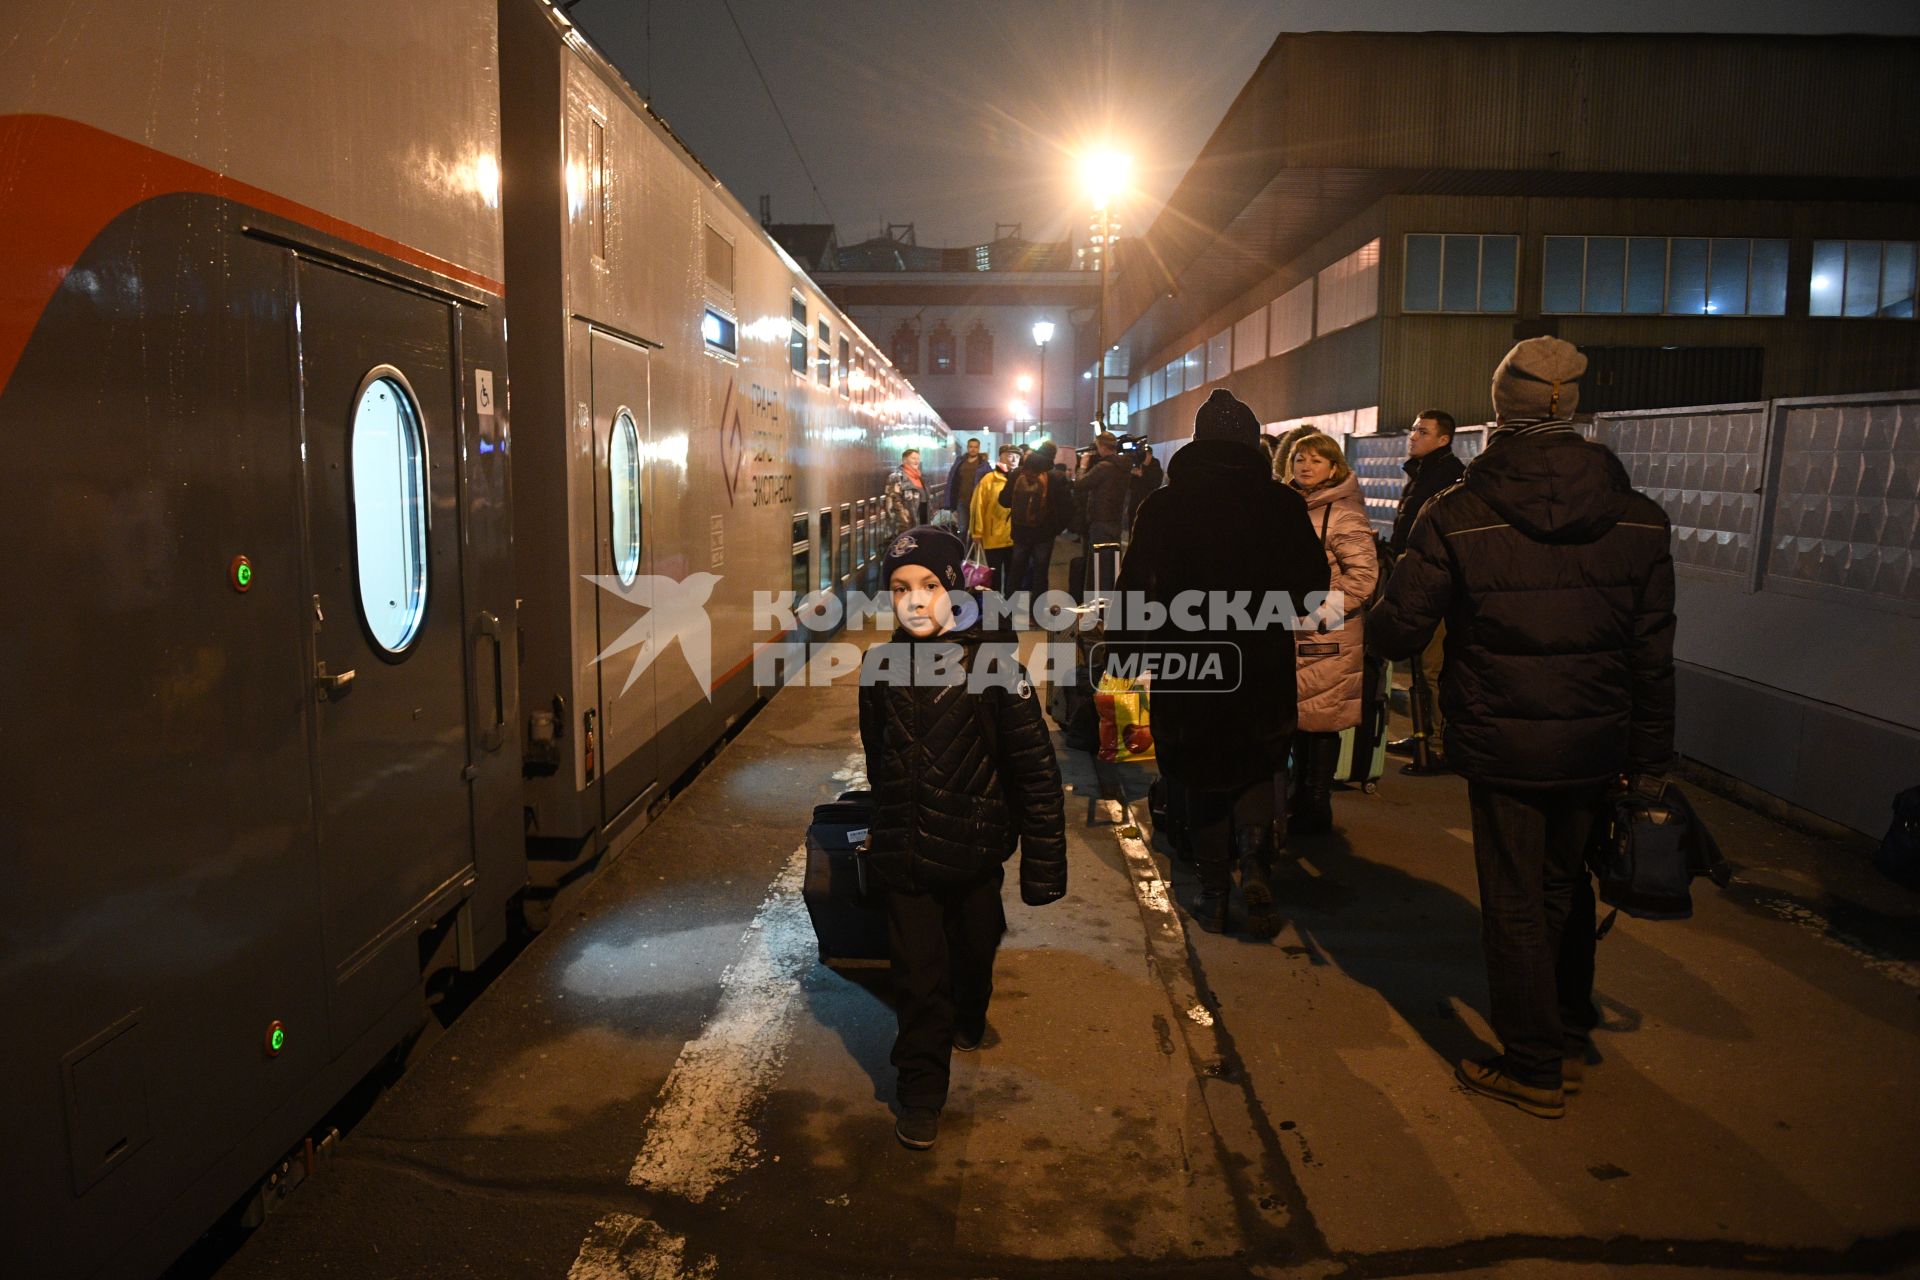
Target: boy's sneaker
1210 910
918 1127
1491 1078
1573 1073
967 1038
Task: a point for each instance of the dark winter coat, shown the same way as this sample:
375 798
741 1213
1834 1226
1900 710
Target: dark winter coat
1555 582
949 805
1105 490
1426 477
1224 524
962 477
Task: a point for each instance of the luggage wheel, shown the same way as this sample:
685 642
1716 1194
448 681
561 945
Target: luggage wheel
1369 787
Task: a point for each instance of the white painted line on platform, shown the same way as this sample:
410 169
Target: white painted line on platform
700 1132
622 1246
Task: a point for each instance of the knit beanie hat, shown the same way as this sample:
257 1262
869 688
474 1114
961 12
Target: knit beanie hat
935 550
1538 379
1224 418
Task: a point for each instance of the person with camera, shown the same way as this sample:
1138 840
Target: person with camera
1554 579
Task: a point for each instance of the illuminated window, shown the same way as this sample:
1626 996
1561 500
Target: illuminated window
1464 273
719 331
1652 275
797 337
826 548
623 479
390 512
940 349
823 356
1290 319
1862 278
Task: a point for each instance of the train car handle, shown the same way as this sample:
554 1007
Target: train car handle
331 687
495 734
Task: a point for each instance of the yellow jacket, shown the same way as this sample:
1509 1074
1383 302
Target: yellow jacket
987 520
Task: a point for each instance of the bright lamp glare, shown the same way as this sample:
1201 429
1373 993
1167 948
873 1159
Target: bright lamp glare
1024 382
1042 332
1105 173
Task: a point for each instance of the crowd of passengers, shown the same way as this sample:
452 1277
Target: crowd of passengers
1531 590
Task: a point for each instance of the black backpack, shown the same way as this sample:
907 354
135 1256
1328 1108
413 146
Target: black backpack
1645 851
1030 498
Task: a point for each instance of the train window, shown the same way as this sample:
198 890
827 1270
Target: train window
598 196
719 259
846 367
797 339
802 545
846 539
823 357
390 511
826 548
720 332
623 469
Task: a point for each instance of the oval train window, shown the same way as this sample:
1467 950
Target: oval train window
390 513
623 467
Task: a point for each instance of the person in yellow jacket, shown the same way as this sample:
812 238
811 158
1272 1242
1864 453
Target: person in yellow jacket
992 524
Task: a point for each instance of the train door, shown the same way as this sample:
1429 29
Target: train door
629 647
380 434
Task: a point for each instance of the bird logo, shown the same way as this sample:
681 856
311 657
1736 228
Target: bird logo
675 610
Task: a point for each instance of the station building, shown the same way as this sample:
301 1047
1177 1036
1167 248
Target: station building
1379 217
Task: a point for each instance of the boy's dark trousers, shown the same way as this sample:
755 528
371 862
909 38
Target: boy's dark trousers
1000 560
1536 909
943 943
1226 825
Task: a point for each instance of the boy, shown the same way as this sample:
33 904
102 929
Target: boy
961 769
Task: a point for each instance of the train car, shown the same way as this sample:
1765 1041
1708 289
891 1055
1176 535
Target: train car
696 422
268 764
258 661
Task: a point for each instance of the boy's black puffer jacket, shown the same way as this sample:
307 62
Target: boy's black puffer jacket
945 812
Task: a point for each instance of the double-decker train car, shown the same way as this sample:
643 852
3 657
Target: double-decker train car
308 587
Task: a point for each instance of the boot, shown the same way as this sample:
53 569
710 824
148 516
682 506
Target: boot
1256 885
1316 808
1210 910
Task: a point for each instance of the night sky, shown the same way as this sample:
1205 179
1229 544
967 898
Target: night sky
956 116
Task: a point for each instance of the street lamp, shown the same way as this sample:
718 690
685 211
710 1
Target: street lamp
1105 174
1042 335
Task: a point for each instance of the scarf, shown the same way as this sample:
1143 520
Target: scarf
912 472
1529 427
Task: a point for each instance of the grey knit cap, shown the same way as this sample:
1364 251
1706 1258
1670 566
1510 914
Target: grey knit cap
1540 378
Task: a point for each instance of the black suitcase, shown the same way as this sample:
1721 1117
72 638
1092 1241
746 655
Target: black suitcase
848 913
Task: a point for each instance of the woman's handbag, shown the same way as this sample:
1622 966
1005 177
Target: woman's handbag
976 572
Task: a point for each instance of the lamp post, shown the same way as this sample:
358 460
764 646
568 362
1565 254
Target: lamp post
1105 174
1042 335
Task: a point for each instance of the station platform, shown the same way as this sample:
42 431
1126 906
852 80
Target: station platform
666 1083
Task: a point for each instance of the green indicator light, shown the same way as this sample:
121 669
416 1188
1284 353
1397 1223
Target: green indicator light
276 1038
245 575
279 1039
240 573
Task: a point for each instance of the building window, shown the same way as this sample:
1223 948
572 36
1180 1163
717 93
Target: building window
389 456
1290 323
940 349
906 348
1862 278
1464 273
979 348
1220 355
1654 275
797 338
1349 290
823 356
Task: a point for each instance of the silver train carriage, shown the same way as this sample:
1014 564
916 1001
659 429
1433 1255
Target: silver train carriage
303 637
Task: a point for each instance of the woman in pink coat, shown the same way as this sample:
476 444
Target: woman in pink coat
1330 658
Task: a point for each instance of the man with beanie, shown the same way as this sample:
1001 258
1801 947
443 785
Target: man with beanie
1223 525
1431 466
1554 579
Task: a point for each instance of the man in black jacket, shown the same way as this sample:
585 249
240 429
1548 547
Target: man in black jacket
1555 581
1224 527
1103 490
1431 466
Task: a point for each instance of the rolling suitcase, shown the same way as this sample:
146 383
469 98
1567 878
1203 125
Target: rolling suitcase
848 914
1363 750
